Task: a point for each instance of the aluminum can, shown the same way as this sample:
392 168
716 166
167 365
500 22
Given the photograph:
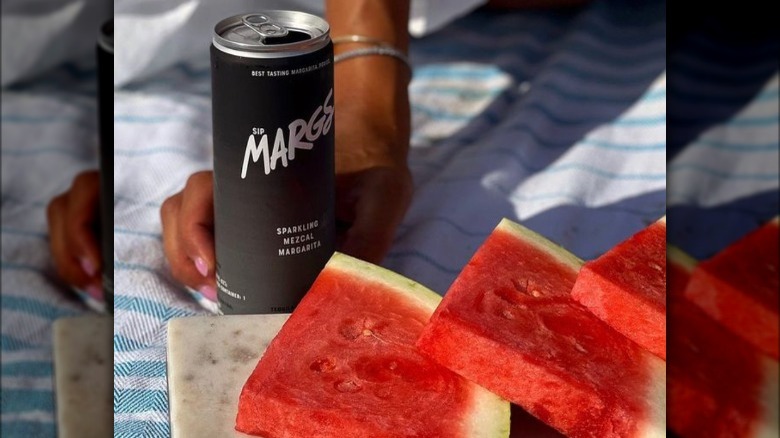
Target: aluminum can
274 171
105 64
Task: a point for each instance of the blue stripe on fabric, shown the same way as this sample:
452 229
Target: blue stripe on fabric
45 151
124 266
123 343
737 147
444 114
565 67
601 144
513 153
35 307
149 204
753 121
429 88
604 173
159 150
23 400
141 429
12 266
449 222
27 368
9 343
426 258
535 51
723 174
127 118
23 202
149 307
26 233
141 368
28 428
525 127
134 401
148 234
26 119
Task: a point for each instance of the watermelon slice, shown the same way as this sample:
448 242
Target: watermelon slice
509 324
739 288
345 365
719 385
626 288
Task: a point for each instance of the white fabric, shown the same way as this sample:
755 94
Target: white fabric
38 35
151 35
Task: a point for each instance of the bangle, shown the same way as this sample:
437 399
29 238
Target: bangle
376 50
359 39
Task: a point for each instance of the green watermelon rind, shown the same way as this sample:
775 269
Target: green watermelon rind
490 414
522 233
409 288
680 258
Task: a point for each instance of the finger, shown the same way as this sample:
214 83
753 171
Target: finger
67 266
379 210
196 222
182 267
80 221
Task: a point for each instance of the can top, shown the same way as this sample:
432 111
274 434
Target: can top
271 34
106 36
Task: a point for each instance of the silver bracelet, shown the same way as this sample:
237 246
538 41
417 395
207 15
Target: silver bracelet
375 50
359 39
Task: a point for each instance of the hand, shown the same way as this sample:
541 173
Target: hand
373 185
188 234
72 219
370 204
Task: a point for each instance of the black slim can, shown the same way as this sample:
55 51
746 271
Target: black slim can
274 172
105 63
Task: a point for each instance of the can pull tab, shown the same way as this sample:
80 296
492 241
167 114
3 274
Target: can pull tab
263 26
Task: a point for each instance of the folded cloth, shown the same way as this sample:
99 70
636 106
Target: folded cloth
152 36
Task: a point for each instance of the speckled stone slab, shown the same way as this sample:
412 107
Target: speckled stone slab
83 375
209 360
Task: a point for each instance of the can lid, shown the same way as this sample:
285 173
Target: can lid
271 34
106 36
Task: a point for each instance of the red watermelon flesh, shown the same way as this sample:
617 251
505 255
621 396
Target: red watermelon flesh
739 288
626 288
719 385
530 342
345 365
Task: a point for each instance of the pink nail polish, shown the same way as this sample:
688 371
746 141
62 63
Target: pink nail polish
88 267
201 266
95 292
209 292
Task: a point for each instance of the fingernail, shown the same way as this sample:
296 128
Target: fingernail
209 292
95 292
88 267
201 266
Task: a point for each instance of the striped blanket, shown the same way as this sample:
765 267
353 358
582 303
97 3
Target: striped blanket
48 130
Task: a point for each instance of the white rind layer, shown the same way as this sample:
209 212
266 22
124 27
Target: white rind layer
541 242
490 413
770 424
409 288
655 399
680 258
